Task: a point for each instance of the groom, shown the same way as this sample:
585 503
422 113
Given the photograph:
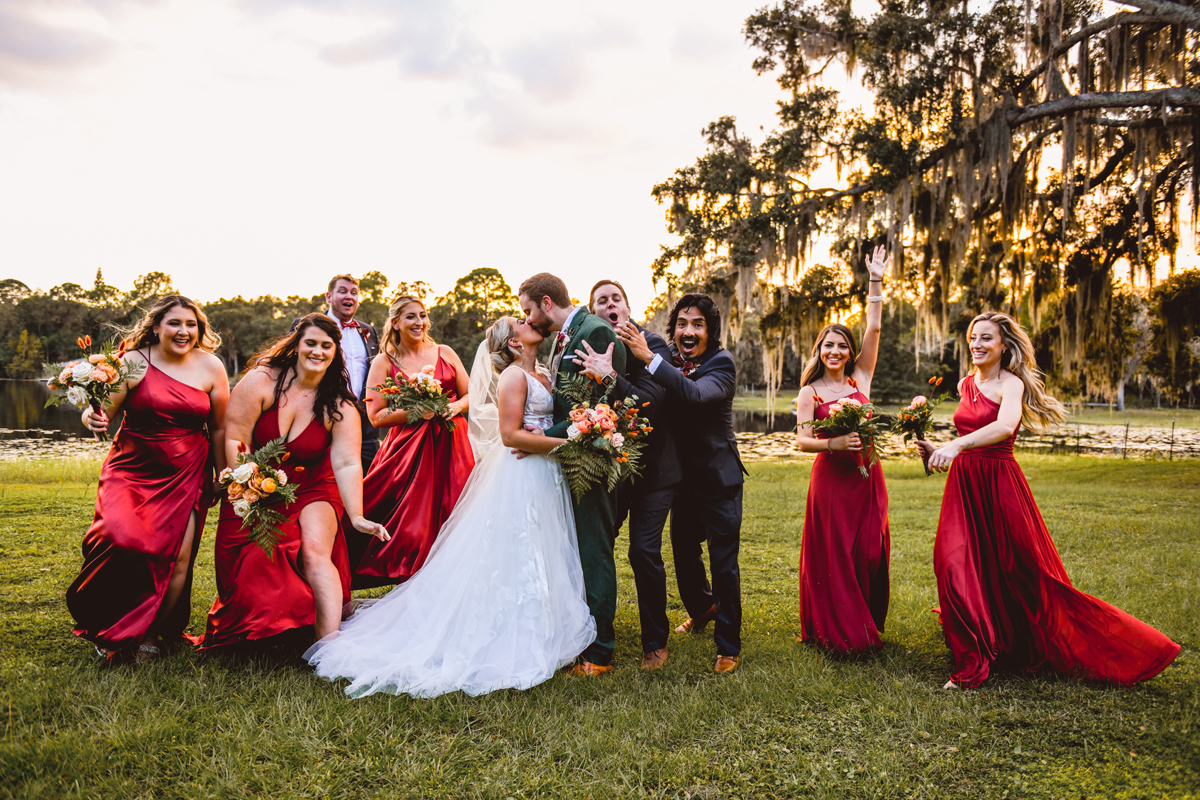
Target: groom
548 309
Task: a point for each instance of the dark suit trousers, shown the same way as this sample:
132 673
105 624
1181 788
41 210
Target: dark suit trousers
370 439
715 516
647 512
596 531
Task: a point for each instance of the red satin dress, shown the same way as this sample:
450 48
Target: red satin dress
259 596
1005 596
413 485
844 552
157 475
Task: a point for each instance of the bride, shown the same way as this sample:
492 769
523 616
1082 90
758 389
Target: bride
499 603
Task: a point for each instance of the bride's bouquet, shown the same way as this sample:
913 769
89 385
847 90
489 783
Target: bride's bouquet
850 416
916 419
604 441
91 380
256 486
418 395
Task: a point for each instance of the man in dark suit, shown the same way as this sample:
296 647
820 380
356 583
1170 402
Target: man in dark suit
700 378
646 501
548 309
360 344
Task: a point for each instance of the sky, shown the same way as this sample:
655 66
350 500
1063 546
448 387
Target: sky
261 146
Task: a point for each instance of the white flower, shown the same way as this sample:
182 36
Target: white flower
617 440
243 472
81 372
225 473
573 431
76 396
280 477
241 507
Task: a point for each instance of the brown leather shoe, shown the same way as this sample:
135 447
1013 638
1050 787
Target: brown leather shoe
655 659
697 624
586 669
726 663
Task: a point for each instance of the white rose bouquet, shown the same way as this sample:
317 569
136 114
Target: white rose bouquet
255 485
92 380
418 395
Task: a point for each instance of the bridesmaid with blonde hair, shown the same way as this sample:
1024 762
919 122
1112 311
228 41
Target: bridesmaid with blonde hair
1005 598
421 468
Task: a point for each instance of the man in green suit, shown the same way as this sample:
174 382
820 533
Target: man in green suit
548 309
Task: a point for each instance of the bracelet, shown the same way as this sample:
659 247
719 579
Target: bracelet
875 298
875 280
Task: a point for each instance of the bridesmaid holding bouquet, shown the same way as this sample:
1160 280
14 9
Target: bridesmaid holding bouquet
1006 600
423 464
844 588
133 595
297 390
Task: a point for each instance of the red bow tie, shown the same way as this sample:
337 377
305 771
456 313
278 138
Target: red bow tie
351 324
686 367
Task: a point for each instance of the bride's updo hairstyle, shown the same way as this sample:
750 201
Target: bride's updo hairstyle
498 336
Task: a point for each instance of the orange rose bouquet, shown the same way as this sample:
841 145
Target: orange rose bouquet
418 395
850 416
92 379
604 441
256 486
916 419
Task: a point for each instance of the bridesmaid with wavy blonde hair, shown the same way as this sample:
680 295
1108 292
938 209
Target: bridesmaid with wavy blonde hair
421 468
1005 598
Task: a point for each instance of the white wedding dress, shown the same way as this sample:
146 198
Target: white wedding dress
498 604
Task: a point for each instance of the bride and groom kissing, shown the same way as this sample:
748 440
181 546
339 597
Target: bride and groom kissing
521 580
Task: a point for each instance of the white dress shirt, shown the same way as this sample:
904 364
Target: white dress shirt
354 351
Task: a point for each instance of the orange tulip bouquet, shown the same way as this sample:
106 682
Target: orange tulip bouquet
418 395
850 416
256 486
916 419
604 441
93 379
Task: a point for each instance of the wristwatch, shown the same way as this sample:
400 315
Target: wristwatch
609 380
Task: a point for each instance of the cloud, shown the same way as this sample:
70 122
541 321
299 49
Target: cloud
37 52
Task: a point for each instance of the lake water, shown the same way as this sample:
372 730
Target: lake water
27 429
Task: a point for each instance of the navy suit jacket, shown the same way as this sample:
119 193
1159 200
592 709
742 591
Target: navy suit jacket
660 465
701 409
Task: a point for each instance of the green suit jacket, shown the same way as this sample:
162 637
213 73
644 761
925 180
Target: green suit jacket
585 327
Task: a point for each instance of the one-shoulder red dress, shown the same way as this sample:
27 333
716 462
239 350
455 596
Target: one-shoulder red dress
1006 600
157 475
259 595
413 485
844 552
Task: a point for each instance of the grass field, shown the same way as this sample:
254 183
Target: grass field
1137 417
791 722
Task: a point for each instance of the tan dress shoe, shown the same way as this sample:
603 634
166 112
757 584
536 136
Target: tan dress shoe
589 670
726 663
655 659
697 624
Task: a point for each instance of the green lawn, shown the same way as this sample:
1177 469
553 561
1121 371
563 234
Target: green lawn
1137 417
790 722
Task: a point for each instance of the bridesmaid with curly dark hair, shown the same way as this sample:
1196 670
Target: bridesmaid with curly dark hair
133 594
295 390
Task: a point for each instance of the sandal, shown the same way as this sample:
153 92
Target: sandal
147 652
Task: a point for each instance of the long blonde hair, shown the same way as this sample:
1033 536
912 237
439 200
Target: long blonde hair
1039 410
142 332
498 336
390 342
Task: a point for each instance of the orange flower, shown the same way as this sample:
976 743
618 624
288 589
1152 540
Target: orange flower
298 469
241 448
939 381
256 480
79 342
251 496
933 380
269 485
235 491
286 456
87 340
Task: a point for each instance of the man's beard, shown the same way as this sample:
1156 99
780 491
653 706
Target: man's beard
543 328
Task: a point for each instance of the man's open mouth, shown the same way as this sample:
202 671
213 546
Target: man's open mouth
613 317
689 342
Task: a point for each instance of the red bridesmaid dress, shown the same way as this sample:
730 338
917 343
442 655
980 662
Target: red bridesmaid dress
259 596
1005 596
844 585
157 475
413 485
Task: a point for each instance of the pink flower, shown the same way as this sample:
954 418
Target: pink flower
851 402
836 408
427 369
96 358
919 400
584 425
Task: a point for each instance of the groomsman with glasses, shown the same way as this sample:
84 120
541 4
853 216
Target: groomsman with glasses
700 379
646 501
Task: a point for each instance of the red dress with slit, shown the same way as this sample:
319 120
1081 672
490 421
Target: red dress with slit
259 596
1006 600
413 485
156 477
844 551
